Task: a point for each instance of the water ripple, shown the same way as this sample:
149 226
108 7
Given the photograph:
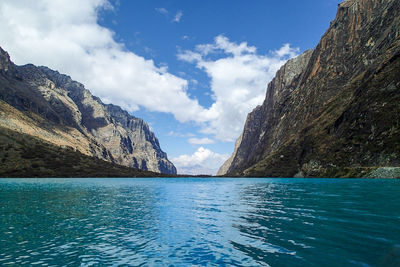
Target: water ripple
199 222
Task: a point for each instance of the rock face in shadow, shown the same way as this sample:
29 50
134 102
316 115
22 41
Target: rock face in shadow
51 106
334 111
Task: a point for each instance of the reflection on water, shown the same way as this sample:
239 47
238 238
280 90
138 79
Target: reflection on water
183 222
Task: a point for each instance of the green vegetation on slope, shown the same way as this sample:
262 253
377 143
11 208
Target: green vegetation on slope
22 155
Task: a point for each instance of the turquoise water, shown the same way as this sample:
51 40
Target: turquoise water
199 222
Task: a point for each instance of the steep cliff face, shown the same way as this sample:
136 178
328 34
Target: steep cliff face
264 123
225 167
51 106
4 61
333 111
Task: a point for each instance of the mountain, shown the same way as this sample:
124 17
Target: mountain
54 109
23 155
333 111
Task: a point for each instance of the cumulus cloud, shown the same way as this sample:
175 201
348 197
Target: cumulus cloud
65 36
178 16
203 161
286 50
200 141
239 76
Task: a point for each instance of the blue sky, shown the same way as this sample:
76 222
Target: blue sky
191 69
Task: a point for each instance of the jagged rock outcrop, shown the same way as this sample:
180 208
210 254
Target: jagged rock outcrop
51 106
224 168
333 111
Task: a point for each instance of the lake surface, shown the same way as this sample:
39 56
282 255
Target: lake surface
200 222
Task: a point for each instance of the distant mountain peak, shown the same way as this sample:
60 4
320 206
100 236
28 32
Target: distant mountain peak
62 111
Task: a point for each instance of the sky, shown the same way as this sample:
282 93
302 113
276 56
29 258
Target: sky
192 70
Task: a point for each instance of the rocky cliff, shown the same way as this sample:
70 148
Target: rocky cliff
334 110
225 167
52 107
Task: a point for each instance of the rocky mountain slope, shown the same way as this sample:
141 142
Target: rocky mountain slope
333 111
22 155
52 107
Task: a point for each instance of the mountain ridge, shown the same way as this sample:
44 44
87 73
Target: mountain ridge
53 106
335 118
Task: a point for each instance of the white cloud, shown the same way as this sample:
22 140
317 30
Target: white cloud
65 36
203 161
184 135
200 141
286 50
178 16
161 10
239 76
